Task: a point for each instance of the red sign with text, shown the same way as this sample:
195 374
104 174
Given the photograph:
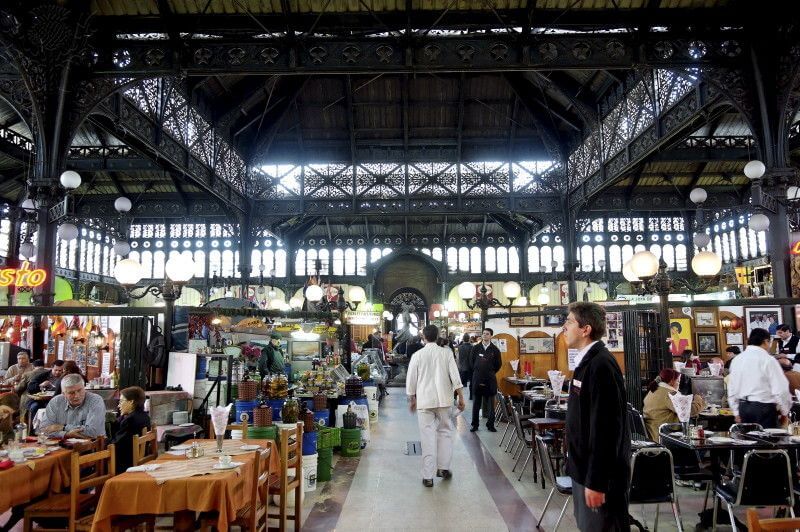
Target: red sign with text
22 277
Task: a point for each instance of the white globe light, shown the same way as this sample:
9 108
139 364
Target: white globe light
179 268
512 289
698 195
644 264
754 169
70 180
466 290
314 293
27 250
122 248
521 301
544 289
295 302
387 315
276 304
759 222
701 240
793 193
603 285
462 316
68 232
436 313
357 294
627 272
544 298
128 272
476 316
122 204
28 205
706 264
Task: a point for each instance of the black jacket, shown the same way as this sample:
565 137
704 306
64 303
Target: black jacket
129 426
485 363
35 382
598 436
465 357
790 347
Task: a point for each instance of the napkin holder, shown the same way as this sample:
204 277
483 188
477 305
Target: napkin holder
195 451
794 428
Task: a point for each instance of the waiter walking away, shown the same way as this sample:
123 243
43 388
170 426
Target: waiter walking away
598 436
485 360
757 388
430 383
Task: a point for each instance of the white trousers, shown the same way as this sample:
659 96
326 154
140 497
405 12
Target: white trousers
436 436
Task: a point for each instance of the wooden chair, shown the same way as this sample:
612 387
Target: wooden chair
90 446
87 472
291 454
238 426
140 454
755 524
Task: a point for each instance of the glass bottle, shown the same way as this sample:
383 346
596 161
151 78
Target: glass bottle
20 432
290 411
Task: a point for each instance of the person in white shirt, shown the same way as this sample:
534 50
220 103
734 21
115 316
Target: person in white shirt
431 380
757 388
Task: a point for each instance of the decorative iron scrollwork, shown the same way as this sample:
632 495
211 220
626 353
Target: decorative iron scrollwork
498 52
269 55
384 53
318 54
351 54
202 56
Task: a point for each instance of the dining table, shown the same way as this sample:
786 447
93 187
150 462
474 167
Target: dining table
179 486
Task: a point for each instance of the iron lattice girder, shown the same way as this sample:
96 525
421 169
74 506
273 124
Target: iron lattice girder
474 53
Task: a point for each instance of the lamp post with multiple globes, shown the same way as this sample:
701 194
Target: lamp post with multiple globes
466 291
356 295
179 271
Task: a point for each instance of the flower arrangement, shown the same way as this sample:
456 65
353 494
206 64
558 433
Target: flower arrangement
251 353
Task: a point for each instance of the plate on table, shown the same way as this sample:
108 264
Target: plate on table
250 447
3 454
720 439
781 432
795 439
186 425
223 467
180 447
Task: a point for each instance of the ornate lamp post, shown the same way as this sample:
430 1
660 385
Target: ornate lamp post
179 270
466 291
357 295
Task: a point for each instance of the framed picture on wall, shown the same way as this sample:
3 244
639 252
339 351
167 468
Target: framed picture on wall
734 338
707 343
554 320
538 345
523 321
763 318
613 337
705 318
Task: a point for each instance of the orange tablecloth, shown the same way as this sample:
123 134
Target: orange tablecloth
224 492
21 484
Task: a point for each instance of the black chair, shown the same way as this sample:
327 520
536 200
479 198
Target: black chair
652 481
734 469
526 437
563 485
510 406
686 462
766 481
637 424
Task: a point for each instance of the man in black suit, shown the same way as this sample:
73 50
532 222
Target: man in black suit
598 436
485 362
787 342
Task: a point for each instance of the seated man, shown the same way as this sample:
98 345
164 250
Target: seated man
41 381
18 370
75 413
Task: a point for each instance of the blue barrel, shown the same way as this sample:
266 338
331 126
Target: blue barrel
322 418
202 364
309 443
357 400
277 406
245 407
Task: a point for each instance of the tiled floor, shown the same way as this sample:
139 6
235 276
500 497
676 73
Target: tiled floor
382 490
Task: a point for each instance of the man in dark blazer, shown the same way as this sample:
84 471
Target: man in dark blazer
598 436
787 343
485 361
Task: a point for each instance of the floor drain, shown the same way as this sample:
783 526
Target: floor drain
413 447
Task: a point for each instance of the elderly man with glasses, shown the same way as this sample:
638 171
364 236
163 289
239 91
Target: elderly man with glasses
75 413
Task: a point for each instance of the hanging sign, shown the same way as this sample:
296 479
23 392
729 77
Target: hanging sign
795 249
22 277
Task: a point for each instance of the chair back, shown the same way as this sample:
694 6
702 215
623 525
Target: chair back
292 449
90 446
651 476
754 524
238 426
259 491
766 479
636 424
744 428
517 423
140 446
685 461
544 456
88 471
508 405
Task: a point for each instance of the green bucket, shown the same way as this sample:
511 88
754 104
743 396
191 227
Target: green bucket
351 442
263 433
324 464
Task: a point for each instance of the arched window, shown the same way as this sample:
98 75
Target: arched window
513 260
300 262
639 247
236 272
680 257
614 258
533 259
159 259
599 254
338 261
227 263
627 254
502 259
147 265
558 257
199 263
726 249
386 251
762 243
463 259
374 254
436 253
732 240
349 261
717 245
546 256
475 260
63 251
88 253
134 255
668 252
255 262
743 247
586 261
452 259
490 260
280 263
97 257
268 256
325 259
425 251
655 249
361 261
311 260
73 252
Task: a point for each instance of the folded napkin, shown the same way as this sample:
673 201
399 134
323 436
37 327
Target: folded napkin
683 406
176 453
143 467
514 364
6 464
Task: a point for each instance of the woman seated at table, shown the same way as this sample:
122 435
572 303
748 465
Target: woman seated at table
692 360
658 408
131 422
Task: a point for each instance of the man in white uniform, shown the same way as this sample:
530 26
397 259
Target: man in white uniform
432 378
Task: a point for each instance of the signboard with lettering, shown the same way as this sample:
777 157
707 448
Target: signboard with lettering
22 277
